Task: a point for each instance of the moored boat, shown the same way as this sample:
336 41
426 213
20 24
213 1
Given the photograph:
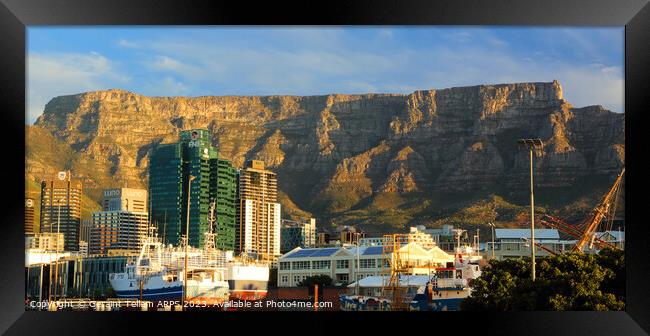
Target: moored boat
247 280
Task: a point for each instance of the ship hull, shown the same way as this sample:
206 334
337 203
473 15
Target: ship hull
248 290
153 294
248 282
157 289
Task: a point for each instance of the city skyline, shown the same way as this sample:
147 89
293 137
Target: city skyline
314 61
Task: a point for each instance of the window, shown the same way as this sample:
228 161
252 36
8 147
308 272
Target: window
321 264
284 279
285 265
300 265
343 277
444 274
296 279
342 264
367 263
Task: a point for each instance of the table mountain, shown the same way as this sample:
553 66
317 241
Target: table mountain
378 160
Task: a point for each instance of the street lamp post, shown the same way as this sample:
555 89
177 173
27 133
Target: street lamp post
356 273
492 226
56 257
532 144
187 238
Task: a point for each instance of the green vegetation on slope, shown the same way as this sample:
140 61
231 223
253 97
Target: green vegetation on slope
44 150
289 209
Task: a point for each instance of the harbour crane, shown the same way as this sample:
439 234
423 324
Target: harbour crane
541 246
585 233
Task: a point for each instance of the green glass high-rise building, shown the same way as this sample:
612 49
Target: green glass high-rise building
170 167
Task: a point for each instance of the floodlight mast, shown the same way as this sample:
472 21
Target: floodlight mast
532 144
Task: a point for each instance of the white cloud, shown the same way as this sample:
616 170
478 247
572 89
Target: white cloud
385 34
55 74
126 44
171 86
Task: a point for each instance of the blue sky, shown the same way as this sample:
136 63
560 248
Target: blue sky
196 61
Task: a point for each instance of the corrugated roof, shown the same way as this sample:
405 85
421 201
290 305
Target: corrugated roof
372 250
312 252
366 250
525 233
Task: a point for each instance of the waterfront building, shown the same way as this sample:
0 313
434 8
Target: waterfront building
616 238
515 243
416 235
61 208
297 233
170 168
444 236
85 277
350 235
322 239
258 213
29 216
340 263
44 248
45 241
122 223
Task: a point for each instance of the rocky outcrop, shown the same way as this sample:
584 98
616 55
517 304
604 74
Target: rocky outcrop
332 152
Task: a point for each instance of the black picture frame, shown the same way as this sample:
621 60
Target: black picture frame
16 15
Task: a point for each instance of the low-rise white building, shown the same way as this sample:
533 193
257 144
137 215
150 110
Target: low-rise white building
417 234
616 238
514 243
348 264
45 241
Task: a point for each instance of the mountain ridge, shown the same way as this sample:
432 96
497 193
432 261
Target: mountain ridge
335 154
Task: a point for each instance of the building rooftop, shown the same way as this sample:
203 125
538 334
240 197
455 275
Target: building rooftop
311 252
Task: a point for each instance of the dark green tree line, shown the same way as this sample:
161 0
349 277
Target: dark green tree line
569 281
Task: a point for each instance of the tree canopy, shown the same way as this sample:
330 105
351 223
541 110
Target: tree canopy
569 281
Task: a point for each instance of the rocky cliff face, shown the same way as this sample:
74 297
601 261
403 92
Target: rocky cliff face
335 153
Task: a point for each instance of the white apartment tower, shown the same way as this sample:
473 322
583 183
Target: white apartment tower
258 213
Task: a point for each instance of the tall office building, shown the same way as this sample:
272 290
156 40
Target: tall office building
122 223
224 186
29 216
170 168
258 212
61 208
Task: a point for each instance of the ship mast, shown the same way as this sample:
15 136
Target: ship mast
210 235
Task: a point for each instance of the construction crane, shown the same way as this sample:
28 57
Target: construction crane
397 266
585 232
541 246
